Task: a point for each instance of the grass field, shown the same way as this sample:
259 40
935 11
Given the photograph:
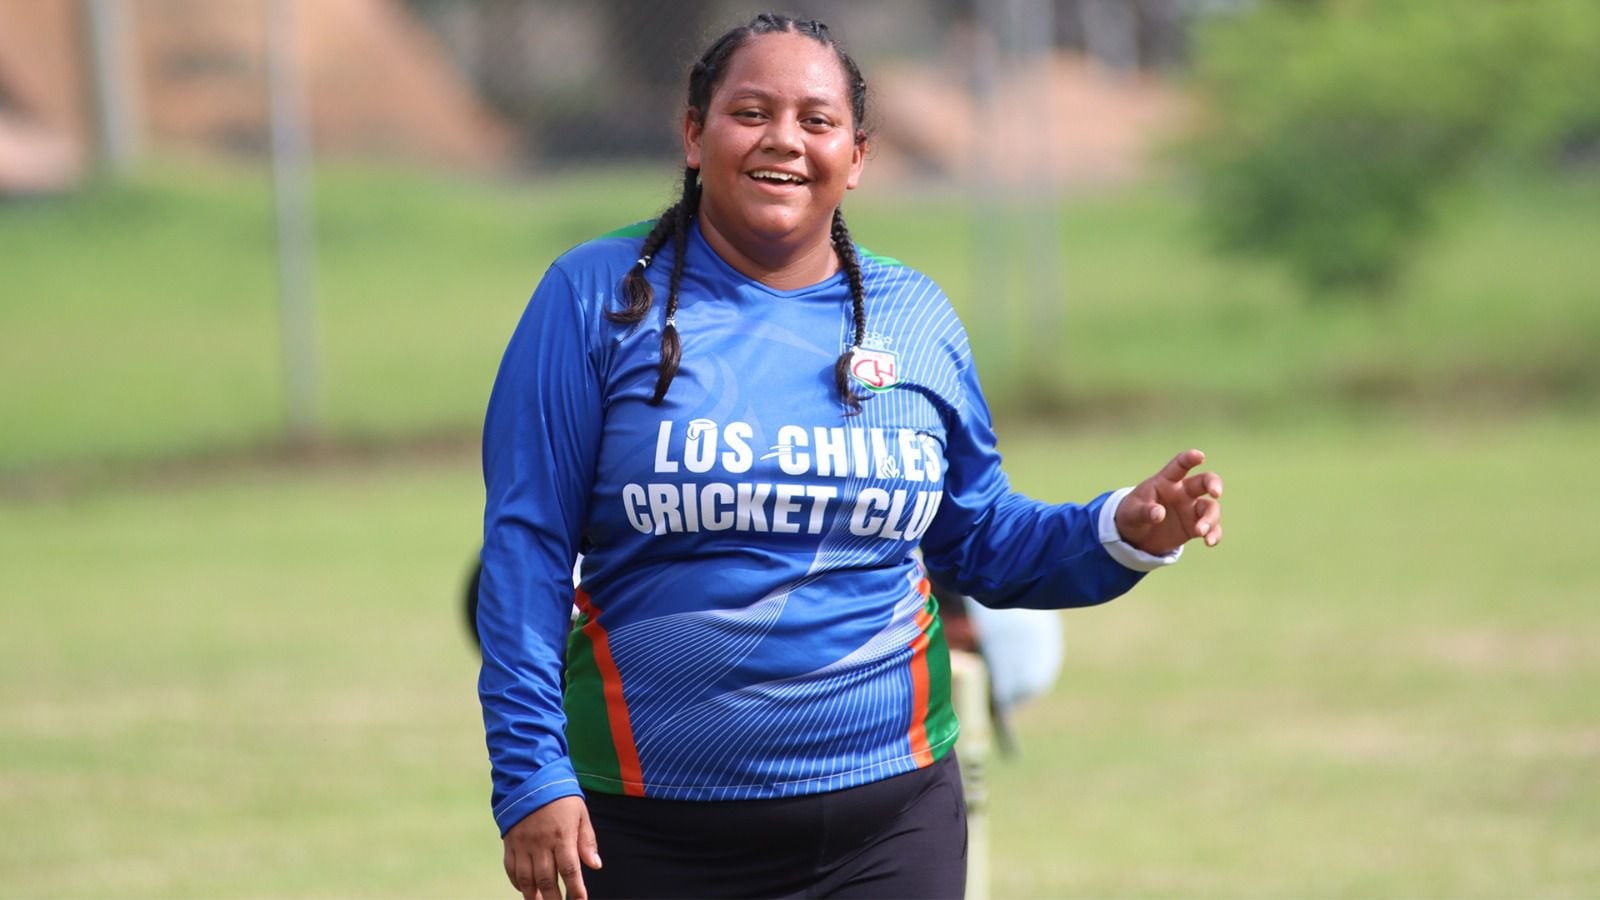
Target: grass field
227 671
253 682
139 320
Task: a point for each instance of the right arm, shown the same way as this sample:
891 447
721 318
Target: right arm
540 440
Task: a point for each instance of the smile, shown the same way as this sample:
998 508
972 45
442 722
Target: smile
773 176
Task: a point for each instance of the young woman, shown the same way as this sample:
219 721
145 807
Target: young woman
746 423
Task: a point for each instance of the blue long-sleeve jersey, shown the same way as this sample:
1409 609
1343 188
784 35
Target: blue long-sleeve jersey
753 621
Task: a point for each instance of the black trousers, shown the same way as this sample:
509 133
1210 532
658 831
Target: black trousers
903 837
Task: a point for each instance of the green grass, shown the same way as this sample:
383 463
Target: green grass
139 320
253 682
254 687
1382 686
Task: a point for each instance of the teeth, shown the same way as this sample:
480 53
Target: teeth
766 175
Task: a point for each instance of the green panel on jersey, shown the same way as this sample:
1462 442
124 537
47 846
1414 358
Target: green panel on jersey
594 756
637 229
880 260
941 725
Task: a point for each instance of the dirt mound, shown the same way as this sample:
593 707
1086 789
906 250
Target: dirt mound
374 80
1063 118
375 84
42 96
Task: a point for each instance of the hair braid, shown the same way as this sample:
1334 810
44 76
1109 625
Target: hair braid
671 346
674 224
636 290
845 249
637 293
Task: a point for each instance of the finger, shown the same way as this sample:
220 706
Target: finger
1203 485
571 873
1206 514
1214 536
520 868
588 847
1155 514
1180 465
544 878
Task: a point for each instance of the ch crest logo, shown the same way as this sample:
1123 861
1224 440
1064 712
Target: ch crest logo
877 369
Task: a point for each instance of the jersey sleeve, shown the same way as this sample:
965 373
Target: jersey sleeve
1005 549
540 440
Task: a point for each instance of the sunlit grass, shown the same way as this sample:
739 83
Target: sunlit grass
254 681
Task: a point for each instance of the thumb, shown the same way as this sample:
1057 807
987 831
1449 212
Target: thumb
588 847
1155 514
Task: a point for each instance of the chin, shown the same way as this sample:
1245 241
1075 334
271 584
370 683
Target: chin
775 228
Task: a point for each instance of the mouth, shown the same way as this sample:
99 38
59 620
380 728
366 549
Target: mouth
777 178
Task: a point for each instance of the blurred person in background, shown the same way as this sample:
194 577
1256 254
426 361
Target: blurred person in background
1021 650
746 424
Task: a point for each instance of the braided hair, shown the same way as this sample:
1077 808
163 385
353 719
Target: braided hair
673 224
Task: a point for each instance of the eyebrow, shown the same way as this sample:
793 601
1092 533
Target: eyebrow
757 93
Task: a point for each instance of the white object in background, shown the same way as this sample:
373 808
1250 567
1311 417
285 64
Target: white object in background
1023 648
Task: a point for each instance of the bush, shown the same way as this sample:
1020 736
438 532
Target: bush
1332 127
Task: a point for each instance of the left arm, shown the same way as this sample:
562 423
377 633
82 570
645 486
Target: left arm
1005 549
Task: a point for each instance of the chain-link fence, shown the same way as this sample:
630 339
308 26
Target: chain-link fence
596 82
998 106
532 83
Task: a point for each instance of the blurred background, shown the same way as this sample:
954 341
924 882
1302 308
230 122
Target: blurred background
259 258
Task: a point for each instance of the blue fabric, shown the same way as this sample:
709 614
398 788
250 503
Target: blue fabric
748 545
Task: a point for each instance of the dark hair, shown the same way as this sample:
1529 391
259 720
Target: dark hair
674 224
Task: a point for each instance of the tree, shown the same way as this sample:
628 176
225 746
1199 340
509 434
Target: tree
1332 126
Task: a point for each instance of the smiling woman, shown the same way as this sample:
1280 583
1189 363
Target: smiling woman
771 140
778 145
754 699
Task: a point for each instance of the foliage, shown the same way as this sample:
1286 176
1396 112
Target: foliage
1333 127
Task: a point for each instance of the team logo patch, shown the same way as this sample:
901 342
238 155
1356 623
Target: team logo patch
879 370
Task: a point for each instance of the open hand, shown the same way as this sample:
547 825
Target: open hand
550 842
1171 507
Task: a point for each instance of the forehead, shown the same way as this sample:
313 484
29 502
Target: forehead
786 64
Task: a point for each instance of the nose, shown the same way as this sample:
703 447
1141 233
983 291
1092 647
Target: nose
782 136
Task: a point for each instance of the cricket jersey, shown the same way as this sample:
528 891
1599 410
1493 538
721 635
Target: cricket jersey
753 622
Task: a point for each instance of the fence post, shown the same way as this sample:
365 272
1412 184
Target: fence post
969 692
292 195
116 109
1017 227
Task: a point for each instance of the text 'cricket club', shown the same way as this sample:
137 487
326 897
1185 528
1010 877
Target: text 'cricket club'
898 510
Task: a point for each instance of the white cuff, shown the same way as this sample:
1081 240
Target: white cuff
1122 551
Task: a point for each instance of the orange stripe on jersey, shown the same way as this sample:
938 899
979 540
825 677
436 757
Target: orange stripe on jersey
919 684
616 705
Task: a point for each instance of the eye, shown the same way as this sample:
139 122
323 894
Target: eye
749 115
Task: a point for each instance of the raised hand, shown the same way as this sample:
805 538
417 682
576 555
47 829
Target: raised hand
1171 507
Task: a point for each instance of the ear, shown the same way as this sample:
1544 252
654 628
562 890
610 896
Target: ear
692 129
858 161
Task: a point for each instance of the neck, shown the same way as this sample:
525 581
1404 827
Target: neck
784 266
